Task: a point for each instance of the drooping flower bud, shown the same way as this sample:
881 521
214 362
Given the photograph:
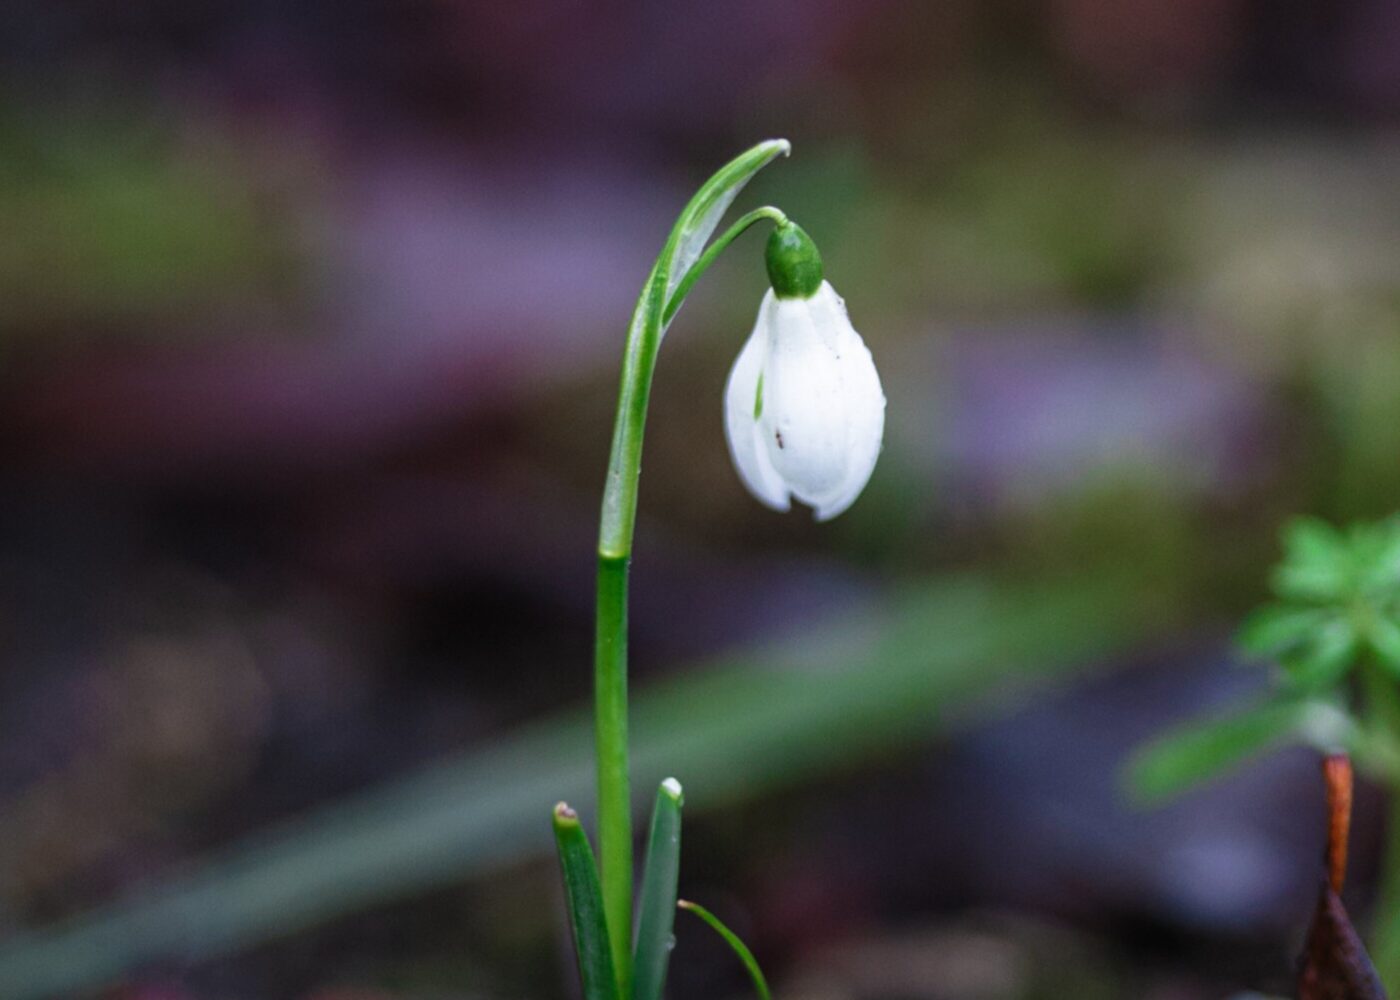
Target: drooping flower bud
804 411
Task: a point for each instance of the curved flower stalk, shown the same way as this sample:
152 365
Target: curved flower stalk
812 391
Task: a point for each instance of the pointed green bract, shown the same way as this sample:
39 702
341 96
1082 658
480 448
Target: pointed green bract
760 985
585 899
698 221
657 912
658 303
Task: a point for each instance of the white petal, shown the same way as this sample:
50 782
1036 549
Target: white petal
803 419
741 427
824 412
863 398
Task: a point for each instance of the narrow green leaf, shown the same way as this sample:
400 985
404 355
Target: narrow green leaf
585 898
1278 629
657 913
760 985
1316 564
1201 750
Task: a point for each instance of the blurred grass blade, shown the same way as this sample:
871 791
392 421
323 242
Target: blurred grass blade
585 898
657 911
760 985
1202 750
737 727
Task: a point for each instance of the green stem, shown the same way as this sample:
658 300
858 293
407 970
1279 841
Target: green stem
610 729
654 311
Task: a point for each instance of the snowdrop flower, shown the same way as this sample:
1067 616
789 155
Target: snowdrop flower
803 409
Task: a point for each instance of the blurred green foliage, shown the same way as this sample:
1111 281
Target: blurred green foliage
1337 612
1339 602
113 224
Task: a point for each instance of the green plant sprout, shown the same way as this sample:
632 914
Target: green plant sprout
1333 633
760 984
804 417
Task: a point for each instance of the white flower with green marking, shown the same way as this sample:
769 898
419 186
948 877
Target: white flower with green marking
803 408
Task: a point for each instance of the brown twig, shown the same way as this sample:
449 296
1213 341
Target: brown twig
1336 772
1335 965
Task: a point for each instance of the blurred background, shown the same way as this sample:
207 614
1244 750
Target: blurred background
312 316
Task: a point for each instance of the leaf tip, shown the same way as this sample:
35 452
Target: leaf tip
672 788
564 814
